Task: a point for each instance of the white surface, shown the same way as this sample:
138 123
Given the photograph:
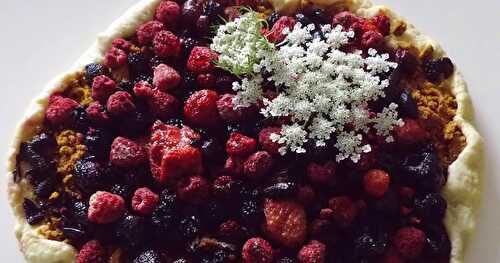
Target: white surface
40 39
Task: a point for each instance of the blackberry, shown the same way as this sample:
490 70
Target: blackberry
78 212
32 212
303 19
407 107
190 227
318 153
273 17
286 260
213 10
42 143
131 229
213 150
93 70
367 246
188 81
251 213
80 121
431 207
138 63
177 122
88 176
135 124
169 199
389 204
220 256
319 16
156 60
188 43
180 260
37 162
127 86
144 77
46 187
214 213
98 143
73 233
122 190
163 219
437 70
423 170
437 240
406 60
224 82
148 256
280 190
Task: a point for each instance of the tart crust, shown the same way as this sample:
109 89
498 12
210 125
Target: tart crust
462 190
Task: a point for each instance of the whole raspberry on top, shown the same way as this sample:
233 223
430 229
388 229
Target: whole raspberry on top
115 58
344 210
265 140
201 60
91 252
240 145
234 166
321 174
180 161
144 201
166 44
275 35
194 189
410 133
127 153
206 81
105 207
257 250
102 87
229 113
120 103
409 242
168 12
163 105
257 165
313 252
60 110
376 182
122 44
165 77
97 114
285 222
147 31
200 109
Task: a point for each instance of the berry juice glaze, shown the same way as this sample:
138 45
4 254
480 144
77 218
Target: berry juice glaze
161 166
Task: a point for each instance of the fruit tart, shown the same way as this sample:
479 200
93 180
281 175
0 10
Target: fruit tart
250 131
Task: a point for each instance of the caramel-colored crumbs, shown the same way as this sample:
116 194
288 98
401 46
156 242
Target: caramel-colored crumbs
70 149
70 188
51 230
437 107
78 90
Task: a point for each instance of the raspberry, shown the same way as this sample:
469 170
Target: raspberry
257 165
344 210
234 166
120 103
265 140
105 207
313 252
410 242
321 174
143 89
127 153
410 133
230 230
122 44
147 31
257 250
240 145
285 222
60 110
206 81
376 182
228 113
166 44
165 78
200 60
91 252
276 34
144 201
346 19
231 13
372 39
200 108
163 105
392 256
168 12
102 88
179 161
383 24
194 189
115 58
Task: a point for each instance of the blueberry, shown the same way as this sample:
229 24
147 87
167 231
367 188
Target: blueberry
131 229
280 190
32 212
439 69
93 70
273 17
190 226
148 256
431 207
407 107
88 176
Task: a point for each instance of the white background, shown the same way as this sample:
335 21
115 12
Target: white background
39 39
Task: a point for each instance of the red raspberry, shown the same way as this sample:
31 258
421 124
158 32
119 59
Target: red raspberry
163 105
165 78
305 194
91 252
383 24
265 140
222 185
60 110
201 60
234 166
285 222
227 111
120 103
97 114
144 201
231 13
410 242
346 19
194 190
372 39
147 31
276 34
200 109
122 44
180 161
321 174
344 210
105 207
115 58
102 88
143 89
257 165
376 182
313 252
230 230
166 44
206 81
410 133
168 12
392 256
257 250
127 153
326 213
240 145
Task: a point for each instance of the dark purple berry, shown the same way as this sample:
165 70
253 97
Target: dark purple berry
273 17
431 207
213 150
32 212
138 63
175 122
406 61
437 240
148 256
122 190
423 170
131 229
439 69
319 16
251 213
88 176
407 107
190 226
93 70
98 143
303 19
280 190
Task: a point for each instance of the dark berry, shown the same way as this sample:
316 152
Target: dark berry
148 256
78 212
423 170
98 143
187 43
138 63
73 233
286 260
280 190
437 241
431 207
273 17
131 229
367 246
88 176
190 227
406 60
45 187
177 122
303 19
93 70
32 212
80 121
213 9
388 204
163 219
42 143
122 190
251 213
213 150
214 213
37 162
437 70
220 256
190 12
319 16
407 107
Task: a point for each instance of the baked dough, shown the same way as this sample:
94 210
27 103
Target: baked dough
462 190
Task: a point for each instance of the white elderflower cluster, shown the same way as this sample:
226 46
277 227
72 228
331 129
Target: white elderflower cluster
326 93
240 44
